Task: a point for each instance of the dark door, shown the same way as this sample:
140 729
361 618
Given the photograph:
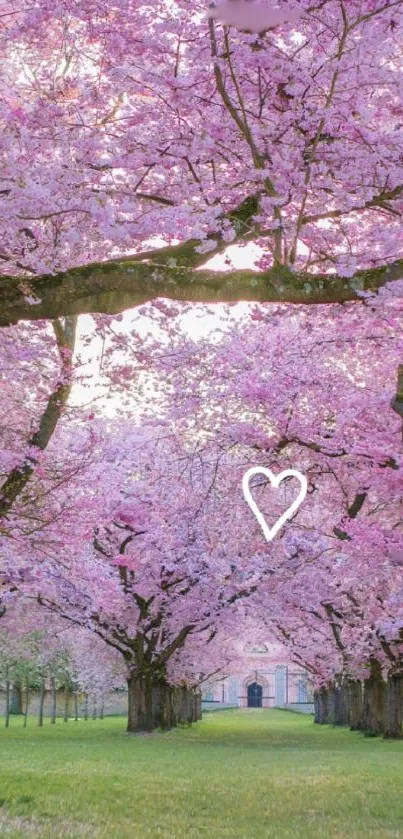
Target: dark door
255 693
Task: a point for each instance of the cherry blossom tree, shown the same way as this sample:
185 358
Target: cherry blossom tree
138 143
36 370
334 575
129 123
95 668
165 558
159 573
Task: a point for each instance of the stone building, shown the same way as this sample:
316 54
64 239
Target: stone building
263 677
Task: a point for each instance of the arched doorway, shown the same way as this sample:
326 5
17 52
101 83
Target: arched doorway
255 695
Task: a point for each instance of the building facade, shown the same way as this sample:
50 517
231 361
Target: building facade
263 677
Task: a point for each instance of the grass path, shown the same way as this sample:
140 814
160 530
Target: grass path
236 774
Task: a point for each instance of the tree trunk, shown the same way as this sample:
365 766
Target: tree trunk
187 697
341 710
374 701
164 712
16 700
75 706
355 707
192 706
101 712
8 691
66 706
140 713
393 708
180 704
177 705
41 701
26 705
321 707
195 711
331 705
157 704
94 708
53 685
316 706
86 706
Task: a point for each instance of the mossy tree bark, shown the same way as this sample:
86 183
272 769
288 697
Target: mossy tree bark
111 287
178 272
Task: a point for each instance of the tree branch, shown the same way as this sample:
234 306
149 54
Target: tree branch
20 475
378 201
397 403
178 642
116 285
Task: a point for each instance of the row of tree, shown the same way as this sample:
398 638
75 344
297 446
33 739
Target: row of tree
373 706
123 514
57 671
139 534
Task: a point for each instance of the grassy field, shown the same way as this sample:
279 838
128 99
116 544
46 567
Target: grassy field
235 774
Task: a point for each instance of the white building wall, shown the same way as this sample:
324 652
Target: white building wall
281 681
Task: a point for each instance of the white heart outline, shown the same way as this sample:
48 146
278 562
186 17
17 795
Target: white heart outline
275 480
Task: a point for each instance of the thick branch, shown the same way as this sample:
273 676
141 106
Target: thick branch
173 646
335 627
397 403
114 286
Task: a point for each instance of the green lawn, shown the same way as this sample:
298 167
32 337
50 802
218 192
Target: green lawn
235 774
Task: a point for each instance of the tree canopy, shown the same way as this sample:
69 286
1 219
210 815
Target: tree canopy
140 142
130 125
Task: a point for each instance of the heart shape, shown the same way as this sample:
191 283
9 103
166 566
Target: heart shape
275 480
